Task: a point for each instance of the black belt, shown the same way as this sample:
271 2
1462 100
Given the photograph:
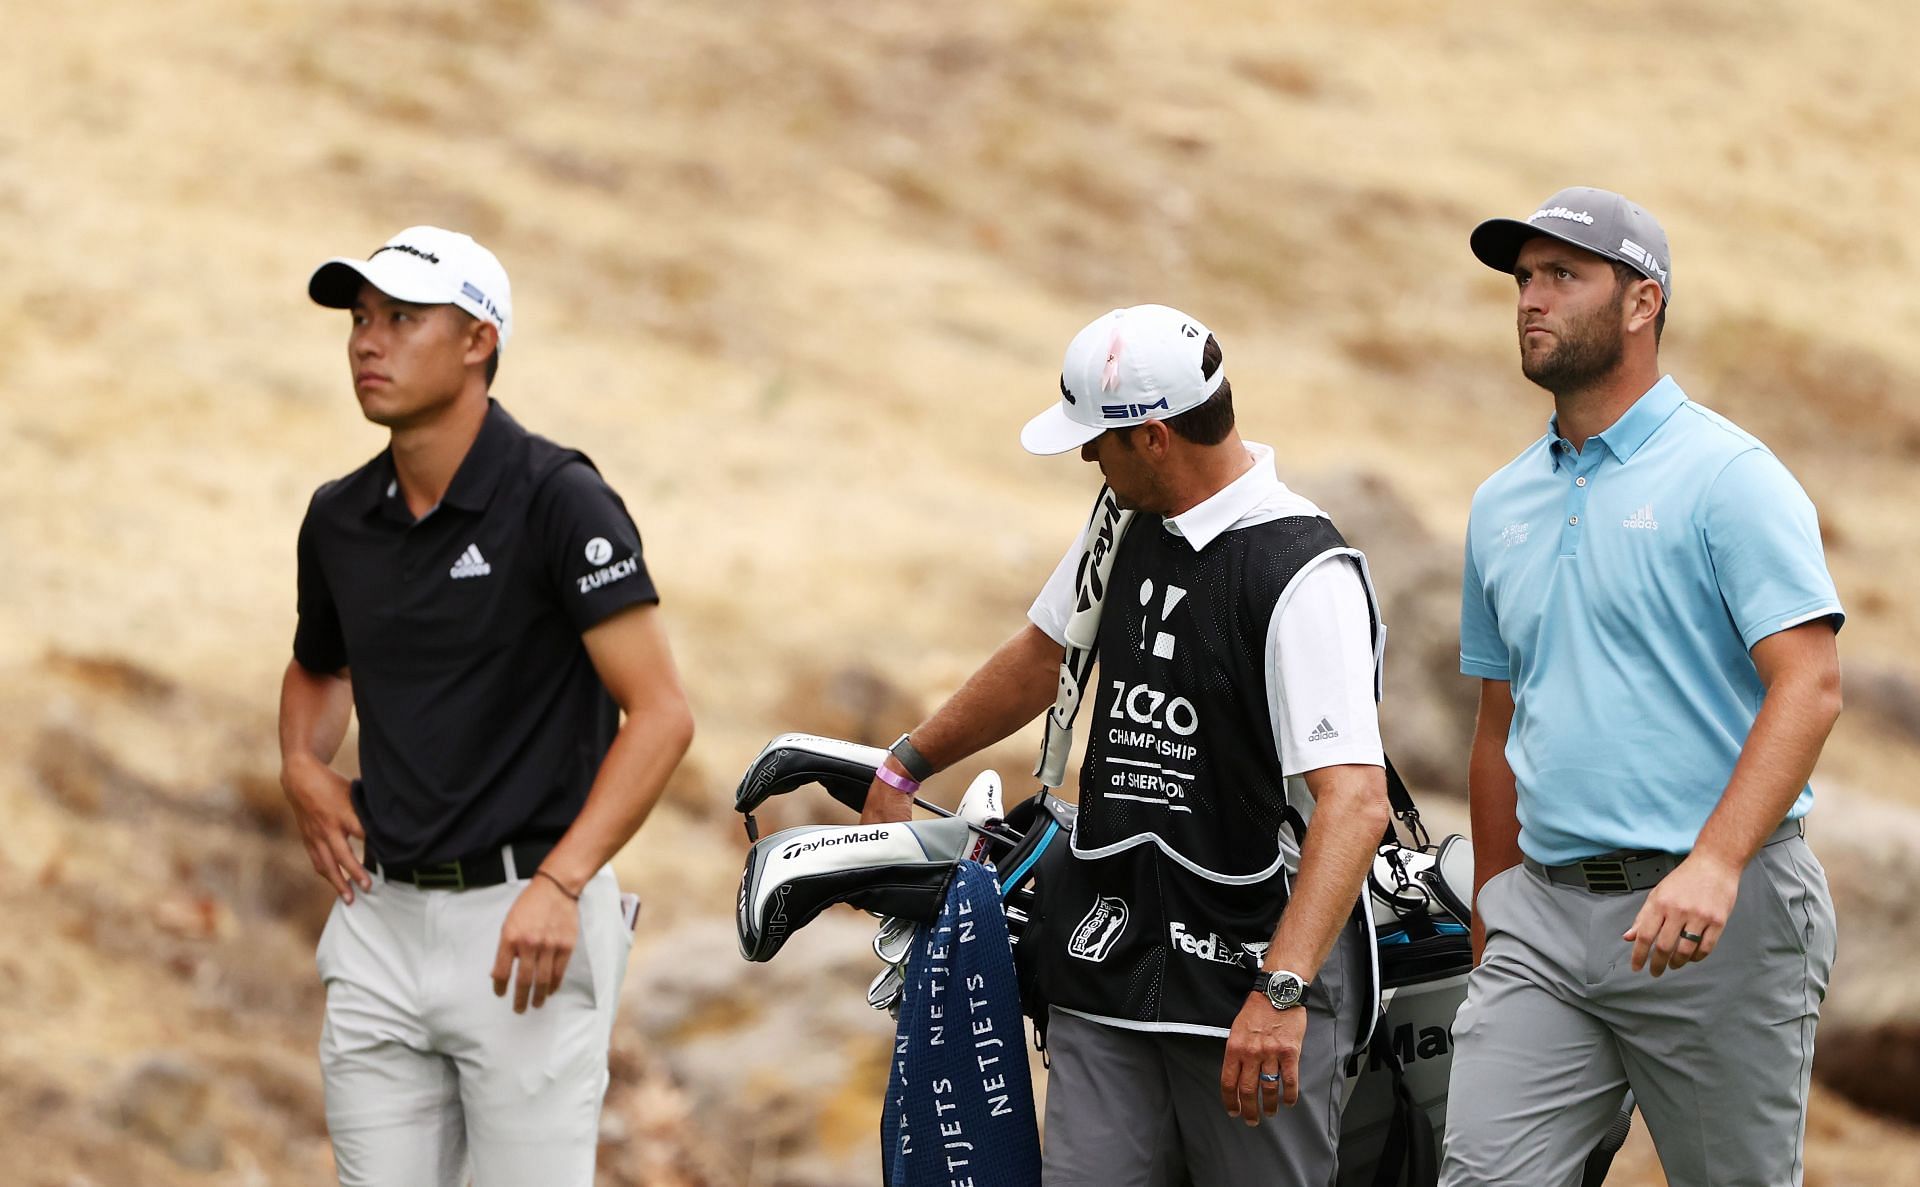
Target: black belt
465 873
1627 871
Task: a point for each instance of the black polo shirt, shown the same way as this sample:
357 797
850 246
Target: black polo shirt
482 720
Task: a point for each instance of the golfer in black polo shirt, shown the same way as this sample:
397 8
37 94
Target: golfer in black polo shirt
477 594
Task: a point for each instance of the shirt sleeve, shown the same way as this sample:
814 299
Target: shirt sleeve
1054 606
1763 539
1320 672
592 547
1482 652
319 643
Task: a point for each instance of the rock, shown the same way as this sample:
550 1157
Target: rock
853 702
166 1101
1868 1048
1890 694
113 675
1875 1067
691 790
1426 719
261 801
775 1049
70 768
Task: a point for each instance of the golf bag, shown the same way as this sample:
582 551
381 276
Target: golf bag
1415 907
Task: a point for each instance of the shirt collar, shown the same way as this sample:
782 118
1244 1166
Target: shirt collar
380 483
473 482
1624 437
1201 523
479 471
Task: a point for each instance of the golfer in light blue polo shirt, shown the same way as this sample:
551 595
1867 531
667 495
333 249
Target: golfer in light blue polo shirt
1619 589
1647 607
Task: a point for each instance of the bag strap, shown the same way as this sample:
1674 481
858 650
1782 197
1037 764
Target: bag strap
1404 809
1407 1155
1099 546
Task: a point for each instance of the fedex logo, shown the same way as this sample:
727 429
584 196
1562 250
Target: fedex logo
1130 411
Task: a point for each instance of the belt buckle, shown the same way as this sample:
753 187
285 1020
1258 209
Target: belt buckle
448 875
1606 875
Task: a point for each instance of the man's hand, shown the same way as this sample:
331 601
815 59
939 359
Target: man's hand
539 934
1263 1040
1696 899
322 802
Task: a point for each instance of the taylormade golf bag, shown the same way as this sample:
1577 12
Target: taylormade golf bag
1416 907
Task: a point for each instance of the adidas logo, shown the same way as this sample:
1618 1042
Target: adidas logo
1642 519
1323 732
470 564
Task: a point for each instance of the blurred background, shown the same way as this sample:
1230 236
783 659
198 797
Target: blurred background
795 275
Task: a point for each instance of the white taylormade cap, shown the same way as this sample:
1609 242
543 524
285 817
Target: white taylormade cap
1129 367
427 266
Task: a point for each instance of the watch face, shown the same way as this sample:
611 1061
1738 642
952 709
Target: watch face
1284 990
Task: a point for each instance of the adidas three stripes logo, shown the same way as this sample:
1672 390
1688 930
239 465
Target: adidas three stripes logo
470 564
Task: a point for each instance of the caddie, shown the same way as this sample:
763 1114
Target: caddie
1204 995
1648 611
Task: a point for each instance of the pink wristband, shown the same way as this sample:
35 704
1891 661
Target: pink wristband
900 783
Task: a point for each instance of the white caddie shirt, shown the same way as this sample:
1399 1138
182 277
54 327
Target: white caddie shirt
1321 666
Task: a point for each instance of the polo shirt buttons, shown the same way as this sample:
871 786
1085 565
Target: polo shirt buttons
1574 520
1580 481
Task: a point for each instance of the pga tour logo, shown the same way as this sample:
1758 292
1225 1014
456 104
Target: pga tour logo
1099 930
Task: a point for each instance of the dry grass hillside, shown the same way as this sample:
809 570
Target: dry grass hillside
795 275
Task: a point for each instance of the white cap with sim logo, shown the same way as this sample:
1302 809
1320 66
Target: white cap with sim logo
1126 368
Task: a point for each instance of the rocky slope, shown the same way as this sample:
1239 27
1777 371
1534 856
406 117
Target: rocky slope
795 275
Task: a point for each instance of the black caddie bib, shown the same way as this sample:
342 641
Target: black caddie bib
1176 880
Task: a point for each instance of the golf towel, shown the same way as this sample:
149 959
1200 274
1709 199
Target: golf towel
959 1107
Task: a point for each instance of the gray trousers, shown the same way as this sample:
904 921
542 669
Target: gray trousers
1129 1108
1557 1025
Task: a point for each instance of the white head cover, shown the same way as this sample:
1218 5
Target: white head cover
1126 368
427 266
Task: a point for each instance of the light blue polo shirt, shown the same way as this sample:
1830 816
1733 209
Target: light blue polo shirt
1620 589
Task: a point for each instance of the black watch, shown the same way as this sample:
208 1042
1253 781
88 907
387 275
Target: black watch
911 761
1283 990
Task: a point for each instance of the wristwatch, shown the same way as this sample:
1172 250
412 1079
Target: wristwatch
911 760
1284 990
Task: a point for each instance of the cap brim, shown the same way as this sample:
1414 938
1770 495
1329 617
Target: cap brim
1497 242
1053 431
336 283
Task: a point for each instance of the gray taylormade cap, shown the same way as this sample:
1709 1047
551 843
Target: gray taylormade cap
1599 221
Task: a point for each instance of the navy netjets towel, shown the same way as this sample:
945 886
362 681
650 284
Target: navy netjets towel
959 1109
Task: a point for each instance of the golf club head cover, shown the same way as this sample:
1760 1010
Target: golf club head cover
1451 878
983 804
898 869
845 769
